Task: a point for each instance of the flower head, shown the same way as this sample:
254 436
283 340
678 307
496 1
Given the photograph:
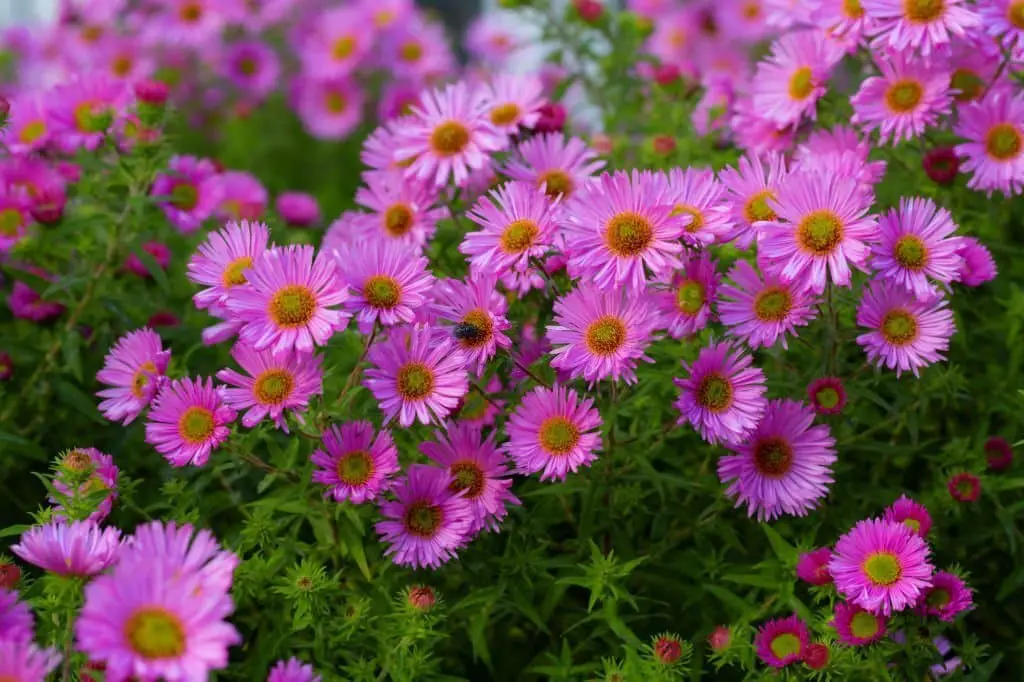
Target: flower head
685 306
298 209
338 42
476 310
275 382
134 369
812 567
791 80
827 395
857 626
224 258
353 463
330 108
881 566
30 126
910 513
189 197
915 246
919 25
553 431
977 265
999 453
909 96
723 396
240 196
252 66
292 670
84 108
400 209
189 553
762 311
964 487
947 598
389 281
427 522
906 334
79 548
696 193
25 662
514 101
517 221
26 303
558 165
16 622
188 421
782 641
102 475
750 189
994 149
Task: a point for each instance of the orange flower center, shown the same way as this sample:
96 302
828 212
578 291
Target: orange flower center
292 306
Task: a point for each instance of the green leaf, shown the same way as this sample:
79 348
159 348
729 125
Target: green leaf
785 551
729 599
71 349
754 580
73 397
28 447
478 637
352 540
14 530
158 274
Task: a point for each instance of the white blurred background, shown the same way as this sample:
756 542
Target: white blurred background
26 11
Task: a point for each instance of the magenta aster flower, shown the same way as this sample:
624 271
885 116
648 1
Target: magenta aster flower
84 108
15 217
821 229
188 23
417 49
134 369
909 96
379 147
400 209
188 420
836 149
160 252
397 100
553 431
447 136
791 80
189 553
812 567
25 662
977 265
416 376
150 619
1003 19
289 300
557 164
964 487
598 335
913 514
994 150
338 42
761 312
276 382
947 598
16 622
782 641
240 196
476 310
252 66
330 109
827 395
695 193
29 127
103 476
856 626
906 333
881 566
998 453
354 464
221 262
190 198
619 227
785 464
428 522
919 25
916 245
685 306
388 280
26 303
298 209
749 189
723 396
80 548
292 670
477 468
842 18
514 101
518 221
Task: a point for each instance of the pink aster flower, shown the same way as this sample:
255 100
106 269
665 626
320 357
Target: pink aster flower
417 49
416 376
240 196
785 464
428 522
812 567
685 305
188 552
791 80
514 101
909 96
994 150
292 670
80 548
16 622
839 151
397 100
29 127
906 334
843 18
598 335
26 303
947 598
354 464
190 198
761 312
252 66
919 26
103 476
782 641
1003 19
188 420
338 42
964 487
755 134
447 136
827 395
379 147
553 431
330 109
881 566
749 190
134 369
25 662
150 619
276 382
84 108
476 310
916 247
695 193
222 261
478 469
160 252
821 229
400 209
555 163
389 280
723 396
490 39
188 23
977 265
518 221
298 209
289 300
620 227
856 626
15 217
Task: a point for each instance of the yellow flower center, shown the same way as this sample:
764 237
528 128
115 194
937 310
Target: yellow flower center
924 10
89 117
343 48
335 102
32 131
273 386
714 392
196 425
883 568
11 221
1003 141
751 10
899 327
820 232
423 519
382 291
154 633
827 397
864 625
411 51
122 65
801 83
466 475
449 138
605 335
937 598
690 297
912 524
398 219
904 95
697 217
383 18
483 328
785 645
757 208
247 66
519 236
191 12
1015 14
184 196
853 9
355 468
556 183
772 304
92 33
141 378
910 252
773 457
628 234
505 114
234 273
558 435
415 381
292 306
969 84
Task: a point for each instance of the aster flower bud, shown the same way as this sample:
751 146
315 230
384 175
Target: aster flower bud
720 638
666 74
964 487
816 657
9 574
589 10
941 165
667 648
552 118
6 367
664 145
421 597
152 92
999 453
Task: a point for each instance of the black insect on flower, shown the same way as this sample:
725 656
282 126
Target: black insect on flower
465 331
